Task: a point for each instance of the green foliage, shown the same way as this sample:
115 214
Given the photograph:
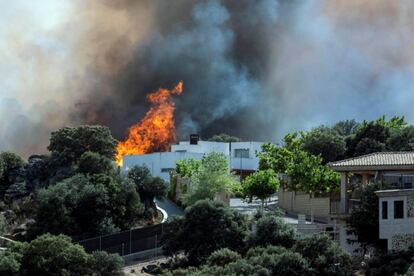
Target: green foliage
94 163
3 224
10 164
187 167
325 142
83 206
372 136
206 227
346 128
269 250
324 255
401 139
306 172
286 263
212 177
148 188
261 184
56 255
104 264
395 263
11 258
68 144
271 230
222 257
224 138
364 221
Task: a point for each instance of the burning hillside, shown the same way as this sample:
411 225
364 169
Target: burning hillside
156 131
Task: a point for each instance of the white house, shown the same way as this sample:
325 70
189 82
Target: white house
240 155
396 218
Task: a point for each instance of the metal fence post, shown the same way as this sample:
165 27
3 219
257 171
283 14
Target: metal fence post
156 239
100 243
130 241
123 249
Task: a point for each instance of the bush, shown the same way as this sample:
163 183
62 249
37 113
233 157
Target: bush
273 230
222 257
324 255
206 227
286 263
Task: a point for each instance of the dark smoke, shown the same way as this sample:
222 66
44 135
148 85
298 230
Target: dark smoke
254 69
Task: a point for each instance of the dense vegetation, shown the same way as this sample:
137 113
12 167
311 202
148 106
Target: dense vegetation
215 240
75 190
56 255
208 177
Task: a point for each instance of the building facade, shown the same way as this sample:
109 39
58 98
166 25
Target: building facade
241 157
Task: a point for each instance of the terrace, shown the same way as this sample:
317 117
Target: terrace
394 170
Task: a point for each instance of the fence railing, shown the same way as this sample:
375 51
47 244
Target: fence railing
127 242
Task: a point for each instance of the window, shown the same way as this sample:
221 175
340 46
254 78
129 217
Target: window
241 153
385 210
166 170
398 209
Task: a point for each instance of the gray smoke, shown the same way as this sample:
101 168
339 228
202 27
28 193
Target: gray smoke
255 69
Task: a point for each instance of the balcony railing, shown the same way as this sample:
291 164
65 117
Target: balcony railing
351 204
397 182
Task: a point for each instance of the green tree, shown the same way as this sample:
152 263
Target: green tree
401 139
10 164
94 163
364 220
148 188
223 257
284 264
83 206
54 255
187 167
211 178
271 230
324 255
346 128
372 136
325 142
206 227
261 184
68 144
11 258
224 138
104 264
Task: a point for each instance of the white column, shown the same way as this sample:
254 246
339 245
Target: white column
344 197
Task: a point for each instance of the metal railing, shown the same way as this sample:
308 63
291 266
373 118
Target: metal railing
397 182
127 242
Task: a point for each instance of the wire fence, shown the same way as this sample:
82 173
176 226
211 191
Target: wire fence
128 242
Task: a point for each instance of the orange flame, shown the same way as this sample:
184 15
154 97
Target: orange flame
156 131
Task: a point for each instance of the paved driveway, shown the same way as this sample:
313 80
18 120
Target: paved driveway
170 207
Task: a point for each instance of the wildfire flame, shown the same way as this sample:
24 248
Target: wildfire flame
156 131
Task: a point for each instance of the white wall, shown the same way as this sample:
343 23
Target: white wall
391 227
155 162
202 147
251 163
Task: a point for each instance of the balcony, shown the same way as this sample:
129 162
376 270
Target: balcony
397 182
351 204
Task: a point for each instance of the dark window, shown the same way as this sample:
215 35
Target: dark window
384 210
166 170
398 209
241 153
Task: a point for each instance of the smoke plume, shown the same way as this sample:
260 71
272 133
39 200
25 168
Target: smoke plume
255 69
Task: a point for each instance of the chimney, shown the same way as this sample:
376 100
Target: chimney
194 139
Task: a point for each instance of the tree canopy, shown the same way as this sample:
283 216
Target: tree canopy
261 184
206 227
56 255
